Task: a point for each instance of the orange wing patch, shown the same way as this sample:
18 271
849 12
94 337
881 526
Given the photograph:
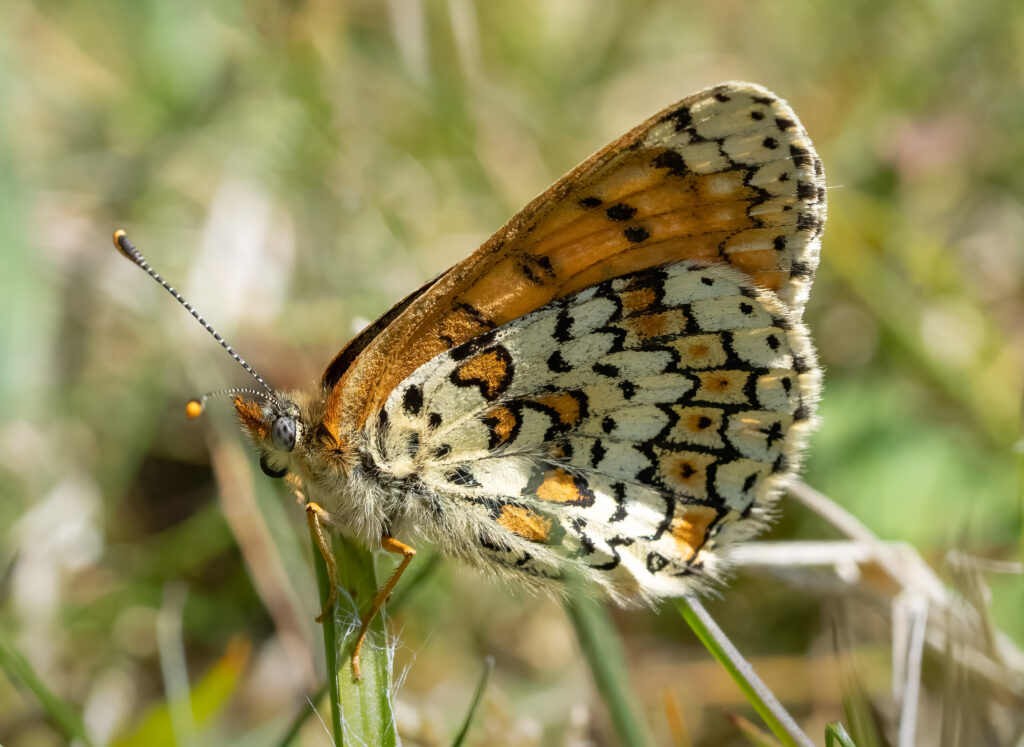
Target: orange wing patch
489 371
723 386
525 523
565 409
568 406
700 426
648 326
502 423
687 473
636 301
690 529
559 486
700 351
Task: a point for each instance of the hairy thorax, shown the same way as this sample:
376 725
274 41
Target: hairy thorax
342 474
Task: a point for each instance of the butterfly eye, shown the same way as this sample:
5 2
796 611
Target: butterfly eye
270 471
282 433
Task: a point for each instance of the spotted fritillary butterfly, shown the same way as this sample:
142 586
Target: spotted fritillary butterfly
616 385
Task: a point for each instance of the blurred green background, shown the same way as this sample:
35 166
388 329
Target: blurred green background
296 167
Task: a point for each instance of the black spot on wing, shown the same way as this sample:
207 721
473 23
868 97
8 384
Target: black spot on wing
475 314
808 222
680 118
801 270
801 157
557 364
537 269
656 562
412 400
806 191
462 477
636 234
620 212
671 160
563 326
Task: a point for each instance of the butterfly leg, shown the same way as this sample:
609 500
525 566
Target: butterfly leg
315 518
389 544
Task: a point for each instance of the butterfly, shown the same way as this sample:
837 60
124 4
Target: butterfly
616 386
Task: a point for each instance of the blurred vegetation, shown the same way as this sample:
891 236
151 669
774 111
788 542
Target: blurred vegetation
295 168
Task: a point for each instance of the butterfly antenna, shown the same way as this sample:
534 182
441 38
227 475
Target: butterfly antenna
195 407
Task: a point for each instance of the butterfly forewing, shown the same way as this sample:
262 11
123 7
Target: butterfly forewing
725 176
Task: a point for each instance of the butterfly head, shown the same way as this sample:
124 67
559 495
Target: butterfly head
276 427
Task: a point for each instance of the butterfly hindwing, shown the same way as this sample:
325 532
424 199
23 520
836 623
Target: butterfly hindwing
621 431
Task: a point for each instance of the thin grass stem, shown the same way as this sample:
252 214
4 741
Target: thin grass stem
58 712
836 736
474 704
601 646
364 705
330 646
768 707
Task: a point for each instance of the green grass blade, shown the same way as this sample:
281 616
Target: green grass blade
330 646
361 711
756 692
59 713
1018 452
478 695
836 736
600 644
